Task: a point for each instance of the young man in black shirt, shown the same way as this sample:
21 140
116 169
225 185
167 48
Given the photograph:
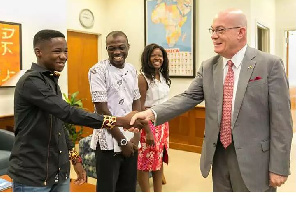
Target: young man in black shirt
39 161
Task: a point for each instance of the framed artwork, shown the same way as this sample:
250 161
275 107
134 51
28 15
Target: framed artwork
170 23
10 53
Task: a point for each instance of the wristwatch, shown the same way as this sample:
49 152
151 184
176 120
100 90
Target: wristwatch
123 142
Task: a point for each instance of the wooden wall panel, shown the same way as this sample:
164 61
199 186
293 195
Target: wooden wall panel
7 122
187 130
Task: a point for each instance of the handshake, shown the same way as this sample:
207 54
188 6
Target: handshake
134 121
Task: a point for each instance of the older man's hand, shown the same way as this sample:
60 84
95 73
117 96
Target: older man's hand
125 122
276 180
143 115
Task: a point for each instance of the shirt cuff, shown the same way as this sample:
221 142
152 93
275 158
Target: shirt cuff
155 116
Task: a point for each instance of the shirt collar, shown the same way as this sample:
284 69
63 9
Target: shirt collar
43 70
110 64
237 58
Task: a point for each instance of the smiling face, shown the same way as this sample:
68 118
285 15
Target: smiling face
52 54
156 58
117 48
228 42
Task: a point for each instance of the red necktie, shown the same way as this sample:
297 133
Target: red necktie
225 133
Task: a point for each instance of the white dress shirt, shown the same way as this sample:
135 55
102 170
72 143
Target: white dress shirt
237 61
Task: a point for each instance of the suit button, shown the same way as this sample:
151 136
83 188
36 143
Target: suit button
60 151
59 134
59 169
214 144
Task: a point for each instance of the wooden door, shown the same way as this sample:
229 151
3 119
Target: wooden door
82 55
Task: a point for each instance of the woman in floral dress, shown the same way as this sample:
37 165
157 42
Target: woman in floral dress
154 85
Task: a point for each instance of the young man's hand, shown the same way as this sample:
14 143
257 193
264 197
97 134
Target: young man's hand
125 122
127 150
81 174
135 141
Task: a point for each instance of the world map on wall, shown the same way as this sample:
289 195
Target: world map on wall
169 24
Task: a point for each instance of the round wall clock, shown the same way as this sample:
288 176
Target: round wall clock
86 18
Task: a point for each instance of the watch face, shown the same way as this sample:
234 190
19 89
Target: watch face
86 18
123 142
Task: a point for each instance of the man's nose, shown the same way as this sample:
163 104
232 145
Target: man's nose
63 55
117 51
214 35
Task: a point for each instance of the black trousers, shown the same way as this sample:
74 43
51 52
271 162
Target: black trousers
115 173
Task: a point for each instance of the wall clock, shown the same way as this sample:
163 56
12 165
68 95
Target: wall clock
86 18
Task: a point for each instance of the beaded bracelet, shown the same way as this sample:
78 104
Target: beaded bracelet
109 122
74 157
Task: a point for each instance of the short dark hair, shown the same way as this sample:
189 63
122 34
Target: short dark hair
114 34
46 35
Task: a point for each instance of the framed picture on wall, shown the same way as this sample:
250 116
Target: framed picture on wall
171 25
10 53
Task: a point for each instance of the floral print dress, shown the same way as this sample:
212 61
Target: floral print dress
150 158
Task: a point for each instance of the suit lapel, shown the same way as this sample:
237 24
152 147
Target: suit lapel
218 85
247 67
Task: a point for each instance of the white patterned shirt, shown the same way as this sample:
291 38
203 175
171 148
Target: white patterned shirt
119 88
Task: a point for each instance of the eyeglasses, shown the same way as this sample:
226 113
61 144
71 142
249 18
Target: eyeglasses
220 30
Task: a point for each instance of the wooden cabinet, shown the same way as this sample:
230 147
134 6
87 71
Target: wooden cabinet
7 122
187 130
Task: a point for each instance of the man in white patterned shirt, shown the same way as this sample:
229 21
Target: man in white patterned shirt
114 89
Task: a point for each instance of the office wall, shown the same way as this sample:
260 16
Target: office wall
285 19
262 12
128 16
98 7
34 16
131 21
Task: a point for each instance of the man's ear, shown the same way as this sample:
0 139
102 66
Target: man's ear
37 52
242 32
128 46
